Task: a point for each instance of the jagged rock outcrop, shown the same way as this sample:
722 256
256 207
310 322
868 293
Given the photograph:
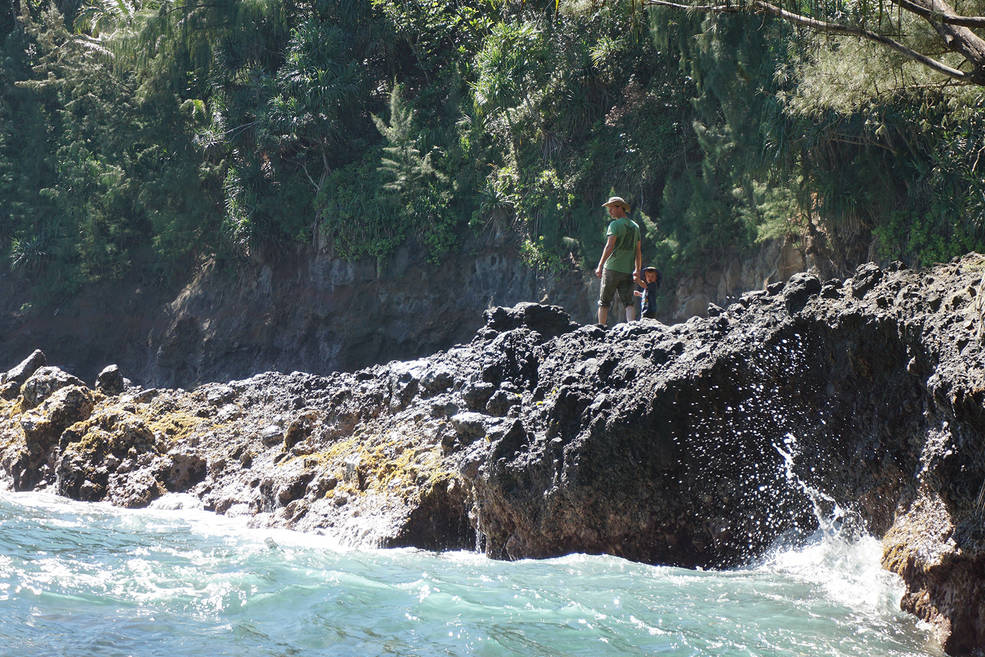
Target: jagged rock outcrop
12 380
698 444
43 383
110 380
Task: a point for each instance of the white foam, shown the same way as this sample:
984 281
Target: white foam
848 572
177 502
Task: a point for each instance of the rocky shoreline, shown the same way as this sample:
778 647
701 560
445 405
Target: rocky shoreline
698 444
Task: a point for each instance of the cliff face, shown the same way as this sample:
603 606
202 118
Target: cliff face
309 311
323 314
827 251
698 444
314 312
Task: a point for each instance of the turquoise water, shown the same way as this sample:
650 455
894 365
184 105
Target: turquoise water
94 581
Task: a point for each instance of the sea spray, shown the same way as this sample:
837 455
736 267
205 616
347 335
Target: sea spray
100 581
741 435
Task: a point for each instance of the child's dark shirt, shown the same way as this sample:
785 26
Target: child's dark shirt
650 300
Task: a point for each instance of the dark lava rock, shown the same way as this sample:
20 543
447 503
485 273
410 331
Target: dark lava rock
549 321
12 379
294 488
43 382
798 291
301 428
186 470
469 426
437 380
866 277
502 401
110 380
42 428
477 394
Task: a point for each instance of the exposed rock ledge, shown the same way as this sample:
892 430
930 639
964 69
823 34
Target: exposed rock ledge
693 444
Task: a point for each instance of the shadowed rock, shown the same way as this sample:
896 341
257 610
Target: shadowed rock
110 380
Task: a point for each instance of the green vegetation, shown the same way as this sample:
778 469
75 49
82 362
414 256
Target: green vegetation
139 138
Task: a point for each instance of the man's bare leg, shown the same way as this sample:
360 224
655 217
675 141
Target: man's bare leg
603 315
630 313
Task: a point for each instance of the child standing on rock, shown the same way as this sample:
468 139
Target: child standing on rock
650 283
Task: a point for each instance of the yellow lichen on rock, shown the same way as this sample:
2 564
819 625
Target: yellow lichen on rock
93 439
398 463
920 539
7 407
176 425
392 462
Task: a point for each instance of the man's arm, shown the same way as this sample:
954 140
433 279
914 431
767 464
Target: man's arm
638 274
610 245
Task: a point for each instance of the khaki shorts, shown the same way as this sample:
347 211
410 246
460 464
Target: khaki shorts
616 281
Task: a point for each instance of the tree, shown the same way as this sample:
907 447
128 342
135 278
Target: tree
929 32
422 190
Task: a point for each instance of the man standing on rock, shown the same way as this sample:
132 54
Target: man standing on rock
622 258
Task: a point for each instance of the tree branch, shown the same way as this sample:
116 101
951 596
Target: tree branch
304 167
944 17
957 38
760 7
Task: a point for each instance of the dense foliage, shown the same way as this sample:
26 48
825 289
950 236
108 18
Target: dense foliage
138 138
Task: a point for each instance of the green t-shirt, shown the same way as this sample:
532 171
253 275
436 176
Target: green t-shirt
623 258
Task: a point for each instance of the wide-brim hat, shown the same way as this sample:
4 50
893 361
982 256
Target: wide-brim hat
616 200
